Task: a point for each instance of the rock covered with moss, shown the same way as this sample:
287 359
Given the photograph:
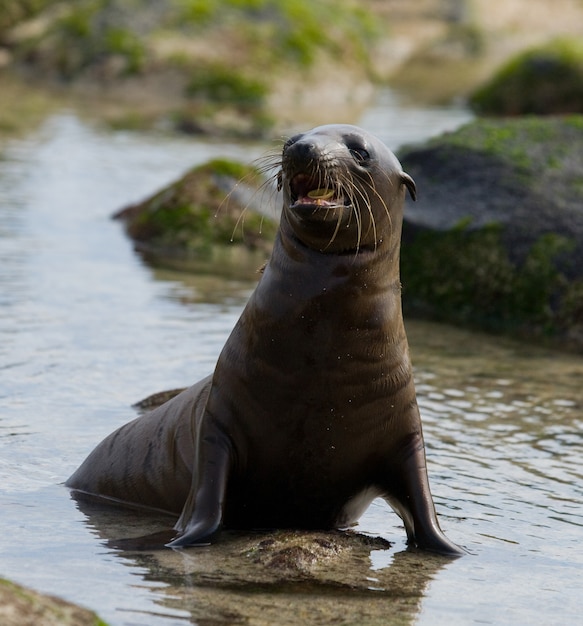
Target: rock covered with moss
495 240
20 606
545 80
212 213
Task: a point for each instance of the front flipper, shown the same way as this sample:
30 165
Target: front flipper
409 495
202 515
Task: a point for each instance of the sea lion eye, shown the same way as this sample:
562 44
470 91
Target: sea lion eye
360 155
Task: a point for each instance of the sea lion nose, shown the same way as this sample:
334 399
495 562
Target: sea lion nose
309 151
304 150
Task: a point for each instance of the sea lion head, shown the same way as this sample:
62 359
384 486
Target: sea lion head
343 189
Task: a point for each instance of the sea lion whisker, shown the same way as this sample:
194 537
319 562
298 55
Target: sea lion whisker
249 179
266 186
240 220
358 218
334 234
357 198
271 159
346 186
349 190
268 168
373 190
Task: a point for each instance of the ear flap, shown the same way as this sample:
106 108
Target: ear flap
410 184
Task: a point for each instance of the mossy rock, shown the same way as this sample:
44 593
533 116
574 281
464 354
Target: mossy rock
224 99
495 240
14 12
545 80
20 606
216 61
275 32
211 67
203 213
221 84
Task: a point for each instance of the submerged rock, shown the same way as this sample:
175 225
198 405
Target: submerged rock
495 240
275 576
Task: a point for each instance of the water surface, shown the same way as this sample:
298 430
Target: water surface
86 329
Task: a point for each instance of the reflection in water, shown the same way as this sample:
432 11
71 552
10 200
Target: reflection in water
86 329
266 577
508 418
216 288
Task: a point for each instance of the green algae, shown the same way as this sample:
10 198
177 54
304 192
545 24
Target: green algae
266 34
523 142
540 154
291 30
467 276
544 80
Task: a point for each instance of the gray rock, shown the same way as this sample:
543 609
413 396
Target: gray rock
495 239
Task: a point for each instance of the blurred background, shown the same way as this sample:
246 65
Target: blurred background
258 66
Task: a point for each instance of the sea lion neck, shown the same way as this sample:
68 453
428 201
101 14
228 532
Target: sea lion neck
379 260
363 289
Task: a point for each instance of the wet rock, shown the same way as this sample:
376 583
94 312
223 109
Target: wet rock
292 553
545 80
288 577
157 399
20 606
214 214
495 240
275 577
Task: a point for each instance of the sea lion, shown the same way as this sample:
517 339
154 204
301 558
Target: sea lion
311 411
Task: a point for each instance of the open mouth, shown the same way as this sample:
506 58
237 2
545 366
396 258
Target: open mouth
308 190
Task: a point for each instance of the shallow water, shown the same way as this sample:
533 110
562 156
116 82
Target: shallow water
86 329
